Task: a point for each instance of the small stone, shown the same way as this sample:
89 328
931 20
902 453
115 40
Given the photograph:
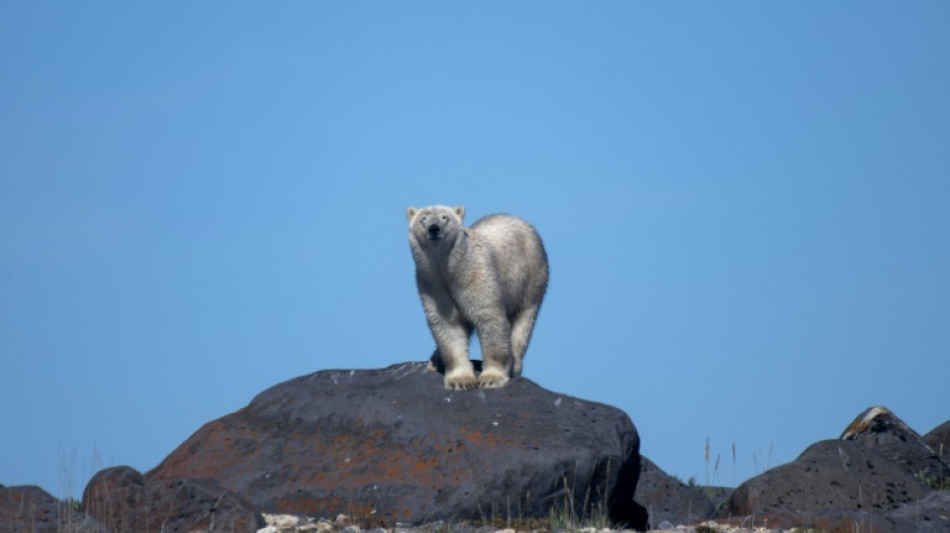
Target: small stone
281 521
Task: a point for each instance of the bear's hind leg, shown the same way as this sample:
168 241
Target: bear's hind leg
493 377
435 363
521 329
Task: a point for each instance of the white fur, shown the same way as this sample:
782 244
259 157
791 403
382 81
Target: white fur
488 279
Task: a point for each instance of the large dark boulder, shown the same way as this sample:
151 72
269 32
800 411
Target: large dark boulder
395 444
881 430
668 499
123 500
833 482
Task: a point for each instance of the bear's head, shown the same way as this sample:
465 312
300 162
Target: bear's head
435 225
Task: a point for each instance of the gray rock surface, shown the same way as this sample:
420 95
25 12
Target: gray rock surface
939 441
830 480
881 430
879 476
929 515
122 499
667 499
395 444
28 508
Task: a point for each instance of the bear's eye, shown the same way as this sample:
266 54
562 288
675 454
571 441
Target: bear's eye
445 218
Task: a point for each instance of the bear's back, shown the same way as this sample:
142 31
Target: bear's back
508 234
519 255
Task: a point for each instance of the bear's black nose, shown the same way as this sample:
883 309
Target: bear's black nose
434 231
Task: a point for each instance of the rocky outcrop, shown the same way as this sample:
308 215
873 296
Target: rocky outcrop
395 444
831 477
392 446
667 499
929 515
879 476
939 441
882 431
124 500
28 508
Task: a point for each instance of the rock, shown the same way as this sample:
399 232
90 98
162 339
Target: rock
31 509
27 509
718 495
281 521
394 444
929 515
124 500
116 497
939 441
833 483
669 500
881 430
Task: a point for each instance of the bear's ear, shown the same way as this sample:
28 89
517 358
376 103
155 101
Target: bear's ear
460 211
411 212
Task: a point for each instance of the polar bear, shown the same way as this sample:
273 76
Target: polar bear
489 278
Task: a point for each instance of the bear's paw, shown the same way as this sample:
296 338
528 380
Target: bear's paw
461 381
491 378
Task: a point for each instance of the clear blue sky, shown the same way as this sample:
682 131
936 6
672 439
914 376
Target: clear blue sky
746 207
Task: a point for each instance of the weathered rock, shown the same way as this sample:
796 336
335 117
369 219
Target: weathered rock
939 441
28 508
117 497
830 483
718 495
395 444
929 515
668 499
880 429
124 500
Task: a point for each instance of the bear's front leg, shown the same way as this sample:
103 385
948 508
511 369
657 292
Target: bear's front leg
453 350
451 333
